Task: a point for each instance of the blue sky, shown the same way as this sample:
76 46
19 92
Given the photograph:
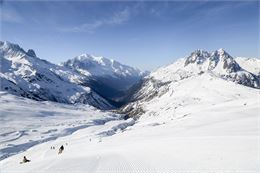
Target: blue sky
140 34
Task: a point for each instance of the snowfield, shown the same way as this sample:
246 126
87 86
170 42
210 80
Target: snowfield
217 132
25 123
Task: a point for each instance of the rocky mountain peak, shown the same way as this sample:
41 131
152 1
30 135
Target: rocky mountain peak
31 53
198 56
10 49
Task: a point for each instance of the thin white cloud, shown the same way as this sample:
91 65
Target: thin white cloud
116 19
10 15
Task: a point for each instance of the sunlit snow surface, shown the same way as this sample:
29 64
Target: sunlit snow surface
204 125
25 122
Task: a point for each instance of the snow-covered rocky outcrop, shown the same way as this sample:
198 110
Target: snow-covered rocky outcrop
24 74
182 82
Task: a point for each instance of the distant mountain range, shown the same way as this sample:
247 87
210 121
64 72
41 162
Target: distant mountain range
85 79
108 84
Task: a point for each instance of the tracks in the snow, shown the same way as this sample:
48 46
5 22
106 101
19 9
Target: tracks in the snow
104 163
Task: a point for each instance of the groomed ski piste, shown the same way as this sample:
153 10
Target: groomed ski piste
205 125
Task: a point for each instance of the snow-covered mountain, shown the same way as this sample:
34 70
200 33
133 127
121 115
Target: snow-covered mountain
249 64
98 81
181 82
24 74
110 78
221 64
218 63
90 65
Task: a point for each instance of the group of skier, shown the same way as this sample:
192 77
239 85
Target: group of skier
61 149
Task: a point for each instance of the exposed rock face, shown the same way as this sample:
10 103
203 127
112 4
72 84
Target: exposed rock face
31 52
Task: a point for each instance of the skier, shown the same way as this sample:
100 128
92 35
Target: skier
25 160
61 149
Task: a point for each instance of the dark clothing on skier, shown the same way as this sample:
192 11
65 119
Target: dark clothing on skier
61 149
25 160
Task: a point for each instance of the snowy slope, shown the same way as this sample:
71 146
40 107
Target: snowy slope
24 74
219 137
204 89
25 122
